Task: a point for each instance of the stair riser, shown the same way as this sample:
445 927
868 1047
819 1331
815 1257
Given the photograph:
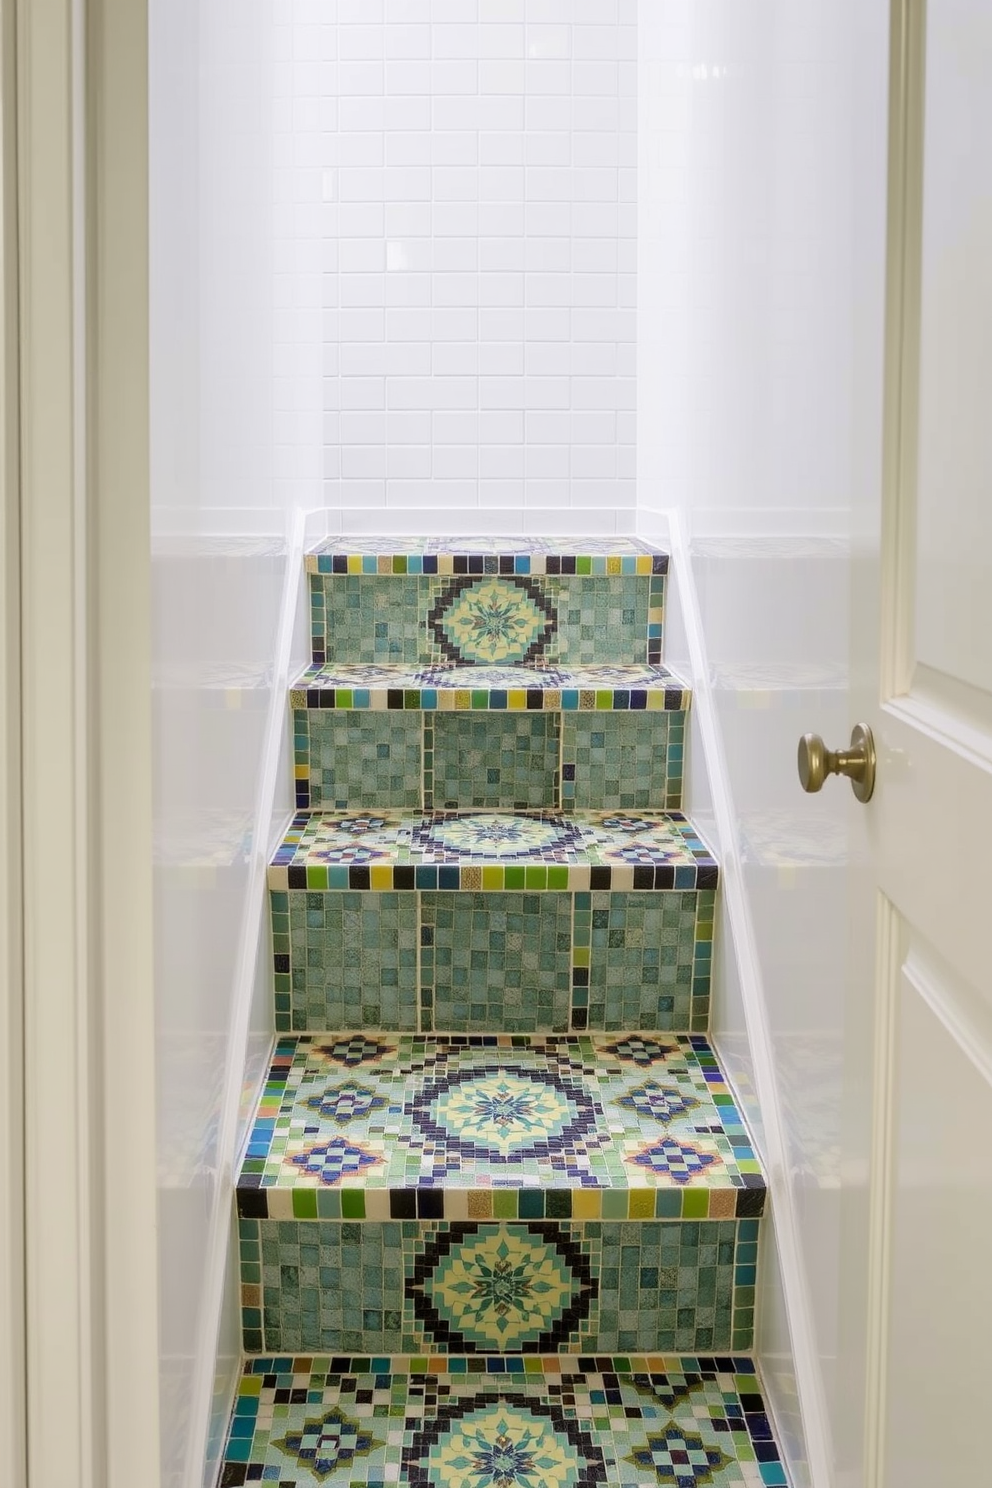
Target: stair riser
616 618
509 1288
492 962
597 760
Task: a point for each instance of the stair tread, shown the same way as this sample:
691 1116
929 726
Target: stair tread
623 1420
492 850
552 688
510 553
379 1126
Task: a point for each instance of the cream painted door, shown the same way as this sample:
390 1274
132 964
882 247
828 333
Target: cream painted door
918 1266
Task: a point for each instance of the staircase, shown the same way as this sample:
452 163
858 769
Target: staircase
498 1209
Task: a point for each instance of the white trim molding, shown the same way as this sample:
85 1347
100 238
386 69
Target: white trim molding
84 569
13 1441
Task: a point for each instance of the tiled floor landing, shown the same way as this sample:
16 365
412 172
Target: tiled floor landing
501 1423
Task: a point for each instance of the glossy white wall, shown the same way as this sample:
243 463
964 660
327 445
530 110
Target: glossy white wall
762 193
228 362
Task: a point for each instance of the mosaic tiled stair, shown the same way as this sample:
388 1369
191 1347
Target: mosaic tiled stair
604 737
499 602
498 1213
559 1422
498 1194
492 921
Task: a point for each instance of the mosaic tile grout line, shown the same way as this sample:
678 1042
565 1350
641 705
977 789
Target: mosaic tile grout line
631 961
532 760
683 1419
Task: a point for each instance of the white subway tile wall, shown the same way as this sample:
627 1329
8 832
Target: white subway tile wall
456 247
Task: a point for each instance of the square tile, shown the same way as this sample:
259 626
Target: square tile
345 960
644 960
625 1420
622 760
494 1286
644 1120
493 759
355 760
495 962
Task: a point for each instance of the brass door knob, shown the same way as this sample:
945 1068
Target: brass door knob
816 762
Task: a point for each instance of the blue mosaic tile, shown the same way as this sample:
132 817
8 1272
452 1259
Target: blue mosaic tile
496 1287
446 687
492 850
501 1126
369 618
563 1422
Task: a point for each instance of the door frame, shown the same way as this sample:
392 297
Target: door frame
77 870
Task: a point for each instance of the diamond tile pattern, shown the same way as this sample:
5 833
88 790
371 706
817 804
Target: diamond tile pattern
497 1286
497 1117
563 1422
415 619
496 1180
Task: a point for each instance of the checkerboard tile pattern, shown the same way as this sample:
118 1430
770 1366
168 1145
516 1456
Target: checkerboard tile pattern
620 1420
496 1287
605 1127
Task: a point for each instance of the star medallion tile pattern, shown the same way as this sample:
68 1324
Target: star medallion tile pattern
612 618
499 1126
492 622
502 1288
497 850
495 1286
464 1422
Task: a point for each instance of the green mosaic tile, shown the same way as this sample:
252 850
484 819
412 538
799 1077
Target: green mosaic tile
628 1126
486 619
495 962
642 960
349 760
621 1420
344 960
492 850
603 620
352 618
494 1286
622 761
493 759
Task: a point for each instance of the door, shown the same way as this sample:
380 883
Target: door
917 1284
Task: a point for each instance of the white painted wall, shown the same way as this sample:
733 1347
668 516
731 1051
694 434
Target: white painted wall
762 199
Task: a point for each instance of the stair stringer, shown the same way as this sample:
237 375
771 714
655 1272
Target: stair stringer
786 1341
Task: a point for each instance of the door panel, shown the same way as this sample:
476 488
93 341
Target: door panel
953 507
923 657
940 1304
